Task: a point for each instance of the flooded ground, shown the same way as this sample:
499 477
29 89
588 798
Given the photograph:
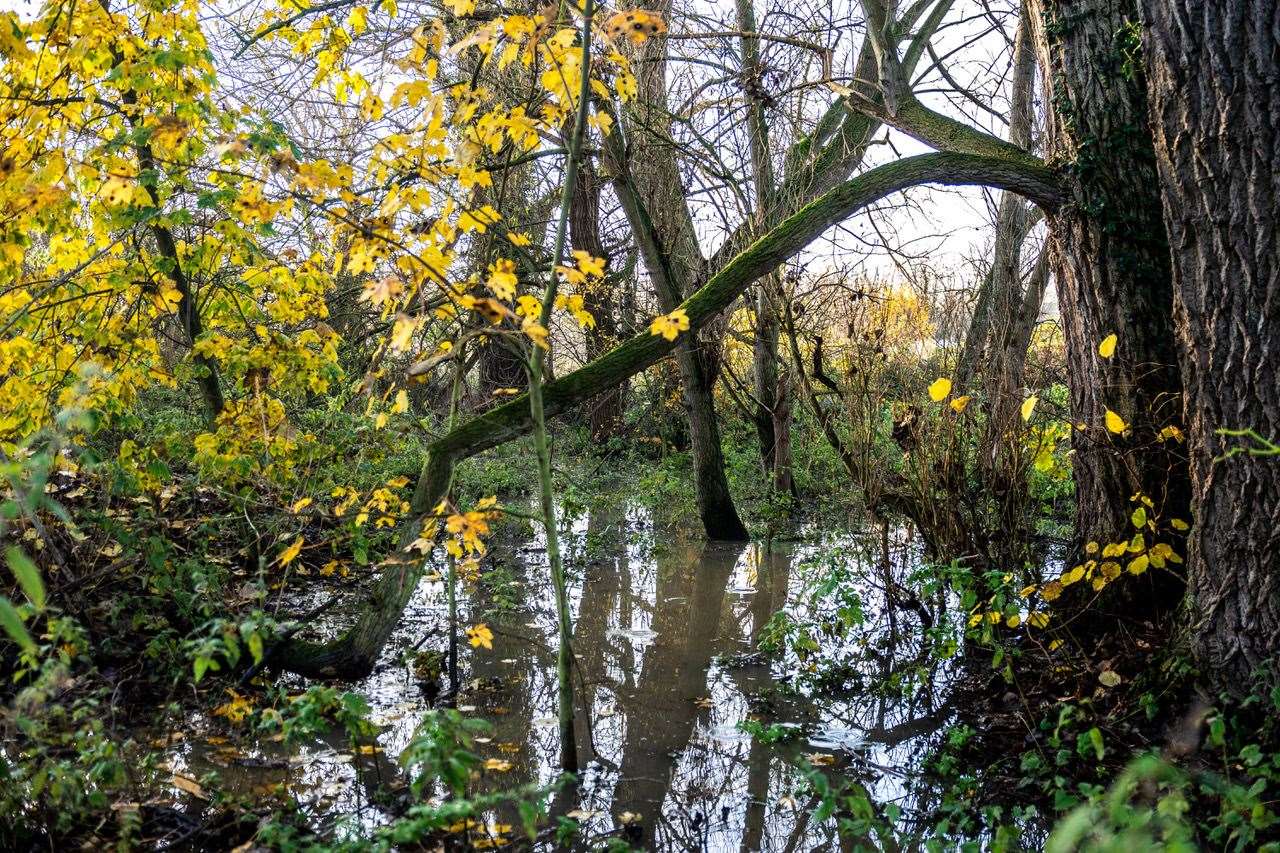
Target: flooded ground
667 638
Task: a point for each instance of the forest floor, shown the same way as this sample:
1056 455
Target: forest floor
809 690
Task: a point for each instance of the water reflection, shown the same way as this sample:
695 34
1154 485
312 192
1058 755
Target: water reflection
666 638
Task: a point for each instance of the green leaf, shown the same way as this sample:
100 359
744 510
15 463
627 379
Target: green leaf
1095 737
12 624
28 576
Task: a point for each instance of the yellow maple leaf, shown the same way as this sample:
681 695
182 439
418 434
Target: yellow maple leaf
502 278
939 389
670 325
480 635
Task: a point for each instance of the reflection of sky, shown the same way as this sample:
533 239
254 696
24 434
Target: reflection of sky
662 635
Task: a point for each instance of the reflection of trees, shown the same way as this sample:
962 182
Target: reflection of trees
522 683
655 688
660 710
773 576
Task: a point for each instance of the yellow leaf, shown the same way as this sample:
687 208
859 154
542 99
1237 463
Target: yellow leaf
1139 517
191 786
1107 348
670 325
1115 423
402 332
959 403
236 709
635 24
1029 406
288 555
117 191
1014 621
300 505
939 389
1179 524
401 404
1138 565
497 764
480 635
588 264
502 278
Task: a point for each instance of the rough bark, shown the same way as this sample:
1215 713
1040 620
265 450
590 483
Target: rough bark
584 230
1111 260
1214 82
354 653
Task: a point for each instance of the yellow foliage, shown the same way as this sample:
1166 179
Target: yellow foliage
670 325
1114 422
939 389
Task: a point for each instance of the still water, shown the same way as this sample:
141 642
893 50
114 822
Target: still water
667 634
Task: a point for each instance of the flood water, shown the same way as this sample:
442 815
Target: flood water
667 633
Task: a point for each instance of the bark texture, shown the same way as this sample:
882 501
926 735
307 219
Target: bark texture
1111 258
1214 81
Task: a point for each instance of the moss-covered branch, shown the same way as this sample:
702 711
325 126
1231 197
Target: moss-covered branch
354 653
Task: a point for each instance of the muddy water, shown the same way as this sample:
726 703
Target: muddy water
666 637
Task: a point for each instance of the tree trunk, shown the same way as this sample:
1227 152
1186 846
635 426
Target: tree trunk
1214 70
584 230
769 423
999 294
676 266
1111 259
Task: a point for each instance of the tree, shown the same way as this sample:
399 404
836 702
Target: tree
354 652
1111 260
1215 108
1109 253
